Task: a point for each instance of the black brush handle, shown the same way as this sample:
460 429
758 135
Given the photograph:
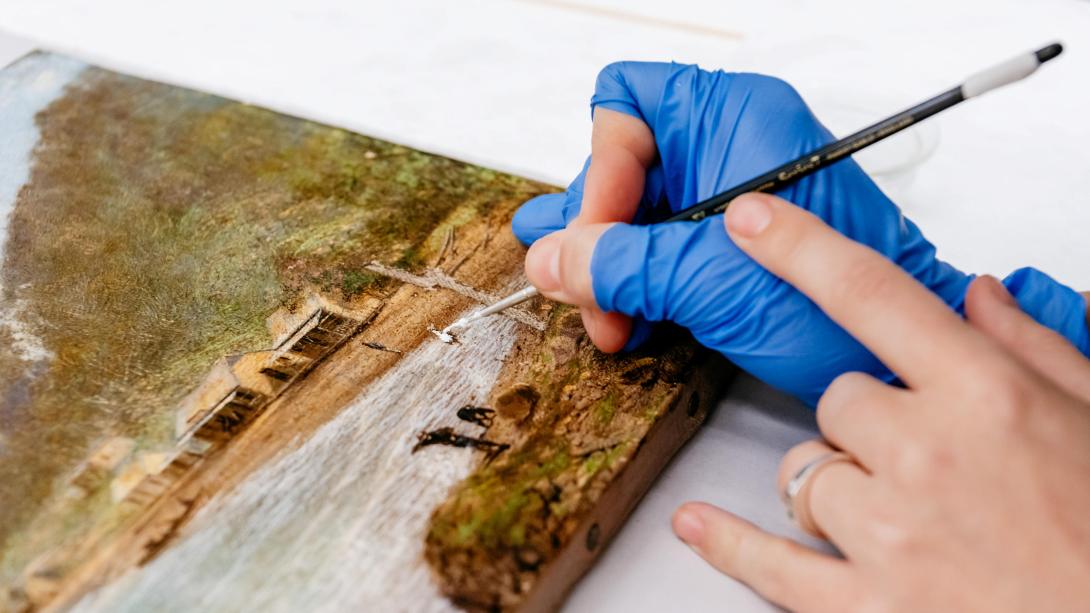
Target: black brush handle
816 160
1010 71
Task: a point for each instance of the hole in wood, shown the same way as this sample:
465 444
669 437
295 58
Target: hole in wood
593 536
694 404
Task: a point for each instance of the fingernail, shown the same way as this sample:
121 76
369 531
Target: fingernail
689 528
543 263
999 291
748 215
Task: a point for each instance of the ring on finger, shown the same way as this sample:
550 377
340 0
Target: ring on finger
796 496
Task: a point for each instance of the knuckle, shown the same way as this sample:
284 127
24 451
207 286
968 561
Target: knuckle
1015 329
612 70
1012 328
612 76
891 533
769 564
798 240
781 90
873 603
864 281
727 559
742 557
896 541
838 397
920 464
782 97
1001 397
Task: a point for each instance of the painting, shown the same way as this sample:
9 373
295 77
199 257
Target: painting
219 387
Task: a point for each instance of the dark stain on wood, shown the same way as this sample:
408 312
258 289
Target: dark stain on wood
447 436
379 347
593 537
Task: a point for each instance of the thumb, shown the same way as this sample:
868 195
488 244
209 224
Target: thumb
688 273
783 571
558 265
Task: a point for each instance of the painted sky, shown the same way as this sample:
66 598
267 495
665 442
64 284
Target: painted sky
26 87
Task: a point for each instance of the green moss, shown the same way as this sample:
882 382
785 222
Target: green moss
593 463
527 505
503 502
355 281
516 535
466 531
605 408
619 451
496 524
554 465
410 258
604 459
655 406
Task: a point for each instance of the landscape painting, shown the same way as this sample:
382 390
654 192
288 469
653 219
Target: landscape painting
219 386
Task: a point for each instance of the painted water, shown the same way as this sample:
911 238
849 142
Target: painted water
338 523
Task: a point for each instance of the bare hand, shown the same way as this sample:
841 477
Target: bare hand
969 490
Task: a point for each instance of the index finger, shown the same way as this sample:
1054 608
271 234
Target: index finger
902 322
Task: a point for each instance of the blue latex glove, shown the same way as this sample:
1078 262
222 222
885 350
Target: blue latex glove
714 130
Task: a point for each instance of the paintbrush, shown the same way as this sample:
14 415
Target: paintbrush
1014 69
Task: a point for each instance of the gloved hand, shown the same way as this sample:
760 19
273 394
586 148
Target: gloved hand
699 133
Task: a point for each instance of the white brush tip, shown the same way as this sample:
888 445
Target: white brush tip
458 325
444 334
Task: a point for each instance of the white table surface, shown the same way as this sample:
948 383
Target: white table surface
505 83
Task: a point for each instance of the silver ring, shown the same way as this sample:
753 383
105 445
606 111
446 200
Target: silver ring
796 496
